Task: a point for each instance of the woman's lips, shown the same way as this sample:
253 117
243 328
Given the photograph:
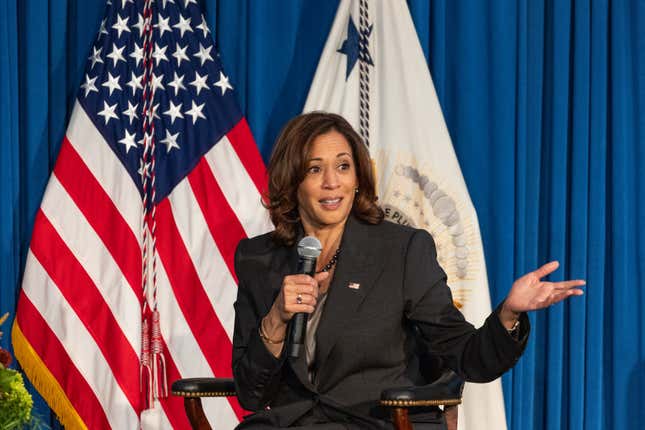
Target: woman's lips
330 203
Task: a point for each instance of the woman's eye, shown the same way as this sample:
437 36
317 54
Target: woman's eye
313 169
344 166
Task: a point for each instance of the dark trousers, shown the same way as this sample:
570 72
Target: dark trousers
322 417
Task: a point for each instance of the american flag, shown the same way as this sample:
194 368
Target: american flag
153 80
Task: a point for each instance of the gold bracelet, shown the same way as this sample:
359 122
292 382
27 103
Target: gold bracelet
266 338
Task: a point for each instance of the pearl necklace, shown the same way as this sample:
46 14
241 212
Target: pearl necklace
331 263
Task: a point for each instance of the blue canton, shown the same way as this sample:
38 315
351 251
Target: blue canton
194 103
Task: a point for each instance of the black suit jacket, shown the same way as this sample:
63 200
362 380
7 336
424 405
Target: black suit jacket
363 336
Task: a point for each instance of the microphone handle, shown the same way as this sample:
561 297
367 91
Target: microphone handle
298 325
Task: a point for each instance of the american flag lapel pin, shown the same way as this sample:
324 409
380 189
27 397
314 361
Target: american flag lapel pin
354 285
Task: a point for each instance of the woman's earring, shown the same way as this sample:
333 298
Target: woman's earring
356 190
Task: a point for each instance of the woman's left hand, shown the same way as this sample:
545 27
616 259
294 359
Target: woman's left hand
530 293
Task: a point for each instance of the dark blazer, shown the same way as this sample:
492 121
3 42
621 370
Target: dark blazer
363 336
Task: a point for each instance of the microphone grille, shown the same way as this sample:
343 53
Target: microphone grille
309 247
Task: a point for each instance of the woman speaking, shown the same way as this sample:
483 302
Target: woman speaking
374 280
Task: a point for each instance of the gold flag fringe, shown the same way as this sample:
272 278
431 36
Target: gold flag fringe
44 381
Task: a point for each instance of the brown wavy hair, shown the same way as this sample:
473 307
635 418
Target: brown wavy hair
288 165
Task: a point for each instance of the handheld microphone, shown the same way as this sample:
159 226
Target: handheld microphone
309 248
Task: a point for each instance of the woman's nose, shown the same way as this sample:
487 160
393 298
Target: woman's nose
330 179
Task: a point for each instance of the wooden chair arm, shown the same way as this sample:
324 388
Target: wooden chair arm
445 391
204 387
193 389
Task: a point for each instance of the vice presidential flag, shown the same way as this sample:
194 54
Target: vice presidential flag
157 180
373 72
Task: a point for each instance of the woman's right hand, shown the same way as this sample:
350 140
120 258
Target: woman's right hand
286 303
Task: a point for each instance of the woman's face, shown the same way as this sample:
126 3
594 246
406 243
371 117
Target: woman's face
326 194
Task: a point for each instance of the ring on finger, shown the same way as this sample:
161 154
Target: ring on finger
299 299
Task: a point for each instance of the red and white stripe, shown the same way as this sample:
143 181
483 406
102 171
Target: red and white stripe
80 307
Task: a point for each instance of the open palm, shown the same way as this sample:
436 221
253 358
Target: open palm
530 292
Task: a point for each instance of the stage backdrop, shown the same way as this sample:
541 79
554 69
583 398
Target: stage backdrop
545 102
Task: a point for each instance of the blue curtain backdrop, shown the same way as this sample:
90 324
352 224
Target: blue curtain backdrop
545 102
